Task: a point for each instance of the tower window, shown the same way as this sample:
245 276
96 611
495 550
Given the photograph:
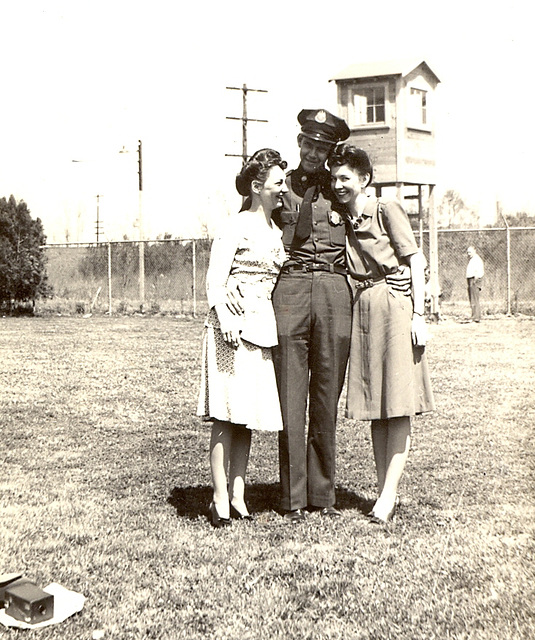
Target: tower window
418 108
367 105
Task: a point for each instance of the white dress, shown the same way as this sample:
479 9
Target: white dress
238 385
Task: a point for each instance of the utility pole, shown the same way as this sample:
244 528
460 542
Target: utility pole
97 226
140 222
245 119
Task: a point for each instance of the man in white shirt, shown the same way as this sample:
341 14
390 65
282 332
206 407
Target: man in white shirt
474 275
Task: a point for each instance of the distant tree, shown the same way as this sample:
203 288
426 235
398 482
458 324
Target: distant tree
23 275
520 219
453 213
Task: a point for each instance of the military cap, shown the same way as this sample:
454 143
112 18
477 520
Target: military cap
319 124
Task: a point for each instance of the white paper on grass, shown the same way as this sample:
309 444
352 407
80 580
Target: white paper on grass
66 603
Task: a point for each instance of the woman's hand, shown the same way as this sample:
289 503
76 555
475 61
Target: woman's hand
234 300
400 280
228 324
418 330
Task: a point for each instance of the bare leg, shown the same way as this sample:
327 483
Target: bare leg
220 447
239 457
396 454
379 440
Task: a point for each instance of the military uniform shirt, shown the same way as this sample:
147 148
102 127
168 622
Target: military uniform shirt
326 243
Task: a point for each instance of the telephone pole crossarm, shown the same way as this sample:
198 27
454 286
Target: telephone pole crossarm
246 88
244 119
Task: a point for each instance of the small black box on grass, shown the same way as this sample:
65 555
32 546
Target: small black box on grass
9 580
28 603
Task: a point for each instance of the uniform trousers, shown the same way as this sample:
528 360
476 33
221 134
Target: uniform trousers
313 311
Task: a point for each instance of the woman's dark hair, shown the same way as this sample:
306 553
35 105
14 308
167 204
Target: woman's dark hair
257 168
354 157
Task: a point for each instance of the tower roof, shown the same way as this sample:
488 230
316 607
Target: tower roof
383 68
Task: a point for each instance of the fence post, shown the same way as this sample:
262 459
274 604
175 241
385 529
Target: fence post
508 254
433 255
109 278
508 238
141 276
420 217
194 278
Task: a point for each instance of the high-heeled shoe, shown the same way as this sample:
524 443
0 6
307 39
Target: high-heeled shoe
217 520
234 513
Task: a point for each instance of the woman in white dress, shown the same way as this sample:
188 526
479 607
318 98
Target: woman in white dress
238 387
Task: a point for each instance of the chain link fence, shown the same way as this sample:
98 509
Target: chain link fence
105 277
161 276
509 259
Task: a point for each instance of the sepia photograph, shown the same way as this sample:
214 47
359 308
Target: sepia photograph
267 321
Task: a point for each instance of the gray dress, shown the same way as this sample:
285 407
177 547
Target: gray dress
388 375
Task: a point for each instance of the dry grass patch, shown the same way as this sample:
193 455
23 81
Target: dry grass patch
105 485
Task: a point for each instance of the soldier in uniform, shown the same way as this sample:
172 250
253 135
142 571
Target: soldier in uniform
312 301
313 306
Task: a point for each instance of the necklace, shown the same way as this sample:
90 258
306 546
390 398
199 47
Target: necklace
356 222
359 204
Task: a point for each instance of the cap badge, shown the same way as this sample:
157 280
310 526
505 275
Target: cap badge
321 117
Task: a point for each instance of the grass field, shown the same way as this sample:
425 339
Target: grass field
105 486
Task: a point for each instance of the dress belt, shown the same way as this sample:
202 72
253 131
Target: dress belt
314 266
369 282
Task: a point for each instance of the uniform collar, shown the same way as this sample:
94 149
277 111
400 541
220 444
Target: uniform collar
301 180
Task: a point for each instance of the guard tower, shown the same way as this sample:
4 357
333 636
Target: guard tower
389 108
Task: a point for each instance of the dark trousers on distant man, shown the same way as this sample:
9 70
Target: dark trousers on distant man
474 289
314 325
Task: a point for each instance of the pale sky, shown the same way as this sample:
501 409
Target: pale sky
82 80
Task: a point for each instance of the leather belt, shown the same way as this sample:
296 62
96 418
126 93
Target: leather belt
366 284
314 266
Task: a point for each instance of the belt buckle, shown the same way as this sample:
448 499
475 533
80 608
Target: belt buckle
319 266
364 284
297 267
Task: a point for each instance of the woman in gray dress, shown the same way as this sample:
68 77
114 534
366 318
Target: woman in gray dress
388 376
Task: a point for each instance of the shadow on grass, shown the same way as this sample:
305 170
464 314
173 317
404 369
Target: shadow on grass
190 502
346 499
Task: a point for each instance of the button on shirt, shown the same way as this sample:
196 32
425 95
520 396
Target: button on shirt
385 240
326 243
